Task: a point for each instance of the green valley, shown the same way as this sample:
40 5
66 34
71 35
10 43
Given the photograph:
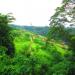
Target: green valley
37 50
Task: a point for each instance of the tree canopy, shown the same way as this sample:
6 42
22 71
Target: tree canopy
5 38
63 18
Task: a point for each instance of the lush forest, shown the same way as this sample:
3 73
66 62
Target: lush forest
30 53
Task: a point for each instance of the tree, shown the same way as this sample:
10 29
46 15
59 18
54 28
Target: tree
63 17
5 38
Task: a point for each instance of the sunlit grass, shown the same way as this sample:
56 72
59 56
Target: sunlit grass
25 40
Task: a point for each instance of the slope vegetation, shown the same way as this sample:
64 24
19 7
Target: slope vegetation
32 57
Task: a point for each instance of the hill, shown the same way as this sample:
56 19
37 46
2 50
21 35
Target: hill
25 39
32 57
37 30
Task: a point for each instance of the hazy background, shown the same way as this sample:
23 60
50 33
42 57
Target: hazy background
30 12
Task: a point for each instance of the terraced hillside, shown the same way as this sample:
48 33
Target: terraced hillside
25 40
32 57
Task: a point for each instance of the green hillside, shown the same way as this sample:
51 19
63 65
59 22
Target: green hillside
32 57
31 48
24 40
37 50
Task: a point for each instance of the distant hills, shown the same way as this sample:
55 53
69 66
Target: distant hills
40 30
37 30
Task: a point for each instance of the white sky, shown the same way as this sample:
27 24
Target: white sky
27 12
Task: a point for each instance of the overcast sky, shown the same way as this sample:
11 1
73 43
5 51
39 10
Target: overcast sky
27 12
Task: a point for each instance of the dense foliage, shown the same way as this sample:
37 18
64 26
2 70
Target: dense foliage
62 25
31 58
36 54
5 37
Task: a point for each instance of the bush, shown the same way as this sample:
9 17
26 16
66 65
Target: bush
2 50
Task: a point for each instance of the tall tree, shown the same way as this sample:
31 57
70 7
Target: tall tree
63 17
5 38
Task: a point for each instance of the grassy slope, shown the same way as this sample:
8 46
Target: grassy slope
31 56
25 40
